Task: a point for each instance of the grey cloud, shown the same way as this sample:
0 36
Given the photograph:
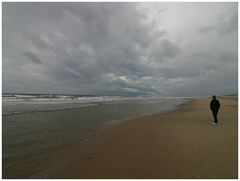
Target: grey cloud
207 29
32 57
228 56
163 50
39 42
230 25
118 48
169 49
223 26
130 83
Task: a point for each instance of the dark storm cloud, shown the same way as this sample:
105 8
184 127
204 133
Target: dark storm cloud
120 48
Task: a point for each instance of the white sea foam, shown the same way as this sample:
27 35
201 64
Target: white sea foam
22 103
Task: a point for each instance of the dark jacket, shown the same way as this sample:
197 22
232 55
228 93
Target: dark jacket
214 105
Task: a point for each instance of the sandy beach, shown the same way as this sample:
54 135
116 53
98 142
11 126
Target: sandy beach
178 144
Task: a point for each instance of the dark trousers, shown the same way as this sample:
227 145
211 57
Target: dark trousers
215 113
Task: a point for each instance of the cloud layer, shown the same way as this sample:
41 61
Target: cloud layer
166 49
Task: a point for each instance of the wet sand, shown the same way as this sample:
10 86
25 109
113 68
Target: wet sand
178 144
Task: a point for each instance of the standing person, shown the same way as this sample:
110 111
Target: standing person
214 106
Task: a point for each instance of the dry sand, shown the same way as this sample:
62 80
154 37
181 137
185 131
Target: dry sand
178 144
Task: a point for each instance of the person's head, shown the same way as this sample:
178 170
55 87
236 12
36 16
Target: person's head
214 97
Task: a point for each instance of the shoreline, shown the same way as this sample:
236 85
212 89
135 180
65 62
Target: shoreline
178 144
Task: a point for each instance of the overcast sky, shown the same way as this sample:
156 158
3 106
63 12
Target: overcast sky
166 49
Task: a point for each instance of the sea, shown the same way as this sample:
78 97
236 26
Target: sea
41 133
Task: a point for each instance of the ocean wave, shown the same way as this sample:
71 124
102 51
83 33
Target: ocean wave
45 110
27 103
